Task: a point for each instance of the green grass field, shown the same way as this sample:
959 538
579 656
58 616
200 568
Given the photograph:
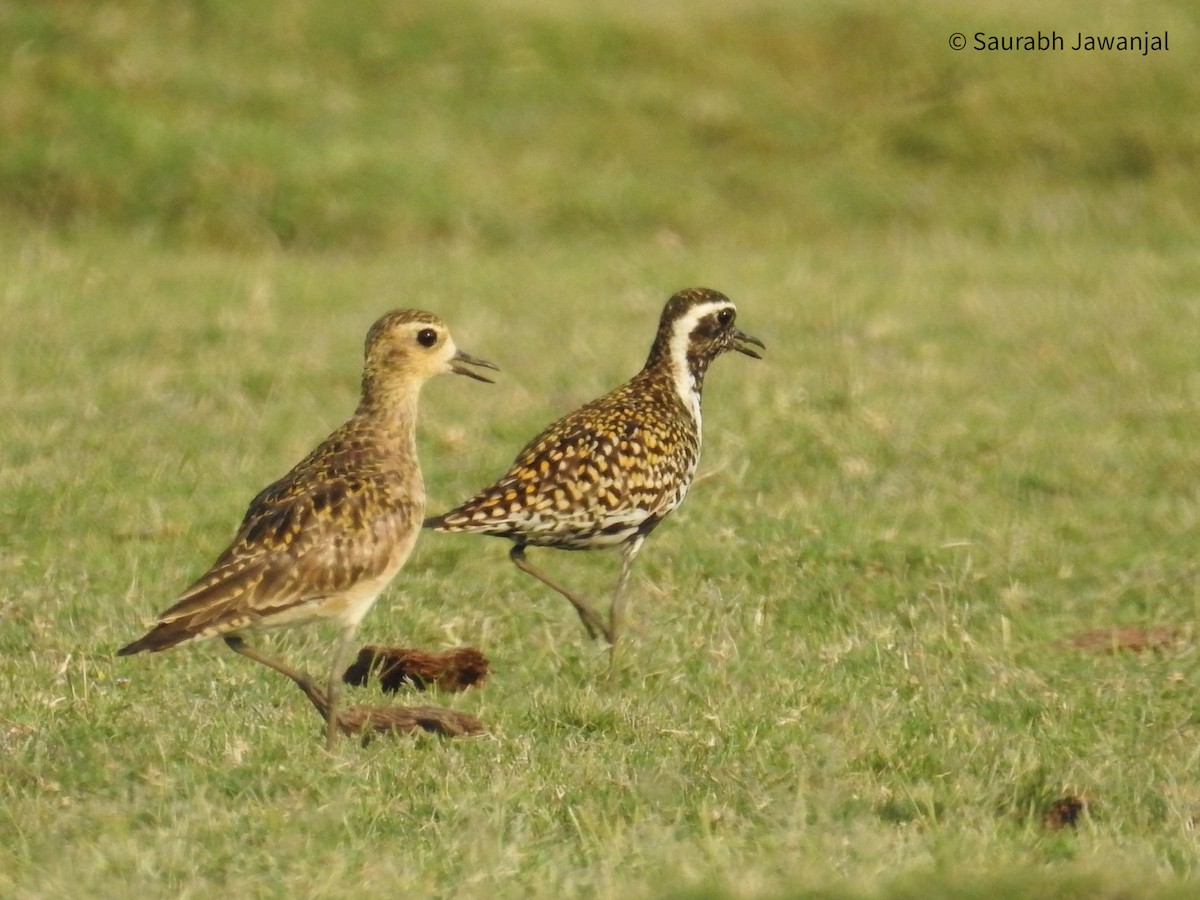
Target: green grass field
972 437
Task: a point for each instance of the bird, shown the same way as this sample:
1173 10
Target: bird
322 542
606 475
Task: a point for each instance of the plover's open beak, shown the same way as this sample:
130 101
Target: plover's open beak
460 361
741 339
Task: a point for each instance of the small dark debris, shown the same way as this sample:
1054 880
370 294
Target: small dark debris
400 667
370 720
367 720
1064 813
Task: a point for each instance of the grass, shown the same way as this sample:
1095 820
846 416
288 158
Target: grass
973 436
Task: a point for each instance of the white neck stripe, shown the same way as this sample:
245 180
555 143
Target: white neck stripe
681 373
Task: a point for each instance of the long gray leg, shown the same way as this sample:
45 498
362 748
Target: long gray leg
591 621
340 657
303 679
616 613
306 682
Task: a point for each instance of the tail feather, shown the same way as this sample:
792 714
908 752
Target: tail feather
160 637
455 520
208 608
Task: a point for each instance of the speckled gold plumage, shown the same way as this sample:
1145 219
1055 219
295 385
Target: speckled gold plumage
603 472
324 540
606 474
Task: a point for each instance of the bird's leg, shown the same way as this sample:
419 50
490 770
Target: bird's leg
591 621
340 656
629 550
305 681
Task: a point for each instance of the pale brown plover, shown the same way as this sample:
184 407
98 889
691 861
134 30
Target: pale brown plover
322 542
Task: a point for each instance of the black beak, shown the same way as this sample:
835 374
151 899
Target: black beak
740 340
460 361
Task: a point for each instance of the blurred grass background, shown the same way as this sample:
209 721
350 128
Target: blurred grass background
973 435
307 126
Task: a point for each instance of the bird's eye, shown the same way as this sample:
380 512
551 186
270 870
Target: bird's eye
725 316
427 337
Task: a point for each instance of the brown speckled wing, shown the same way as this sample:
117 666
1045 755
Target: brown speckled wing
308 536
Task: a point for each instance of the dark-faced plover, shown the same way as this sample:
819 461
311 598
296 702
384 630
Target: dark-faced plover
606 474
